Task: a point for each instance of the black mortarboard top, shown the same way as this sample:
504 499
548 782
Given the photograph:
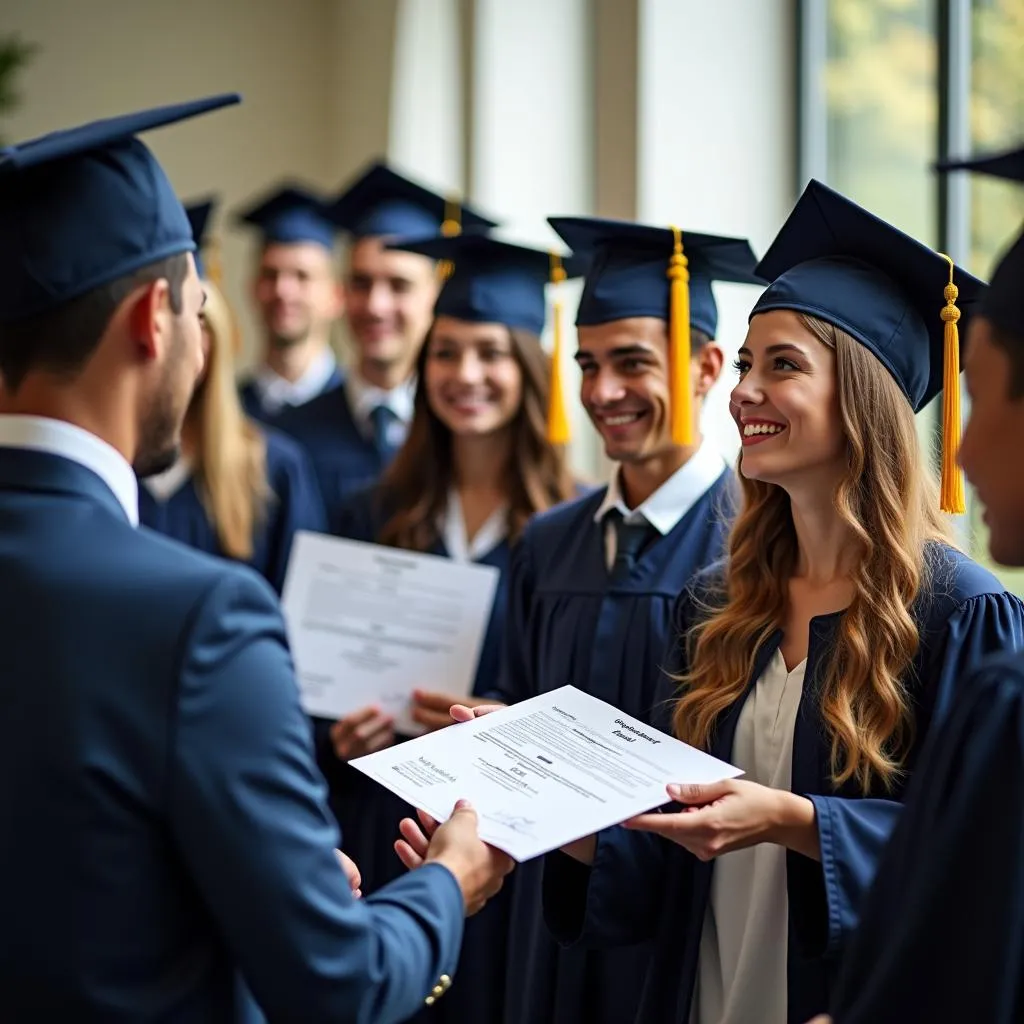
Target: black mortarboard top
637 270
82 207
836 261
381 203
494 281
1004 299
198 213
290 214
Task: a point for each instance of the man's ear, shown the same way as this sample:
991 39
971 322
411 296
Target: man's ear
149 318
708 361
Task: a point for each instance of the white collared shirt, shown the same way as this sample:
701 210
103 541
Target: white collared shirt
669 503
364 397
55 437
485 540
166 485
275 392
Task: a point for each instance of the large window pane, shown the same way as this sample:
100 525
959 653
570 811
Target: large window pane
997 207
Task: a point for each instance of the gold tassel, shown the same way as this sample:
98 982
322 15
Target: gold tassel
558 416
450 227
952 492
680 395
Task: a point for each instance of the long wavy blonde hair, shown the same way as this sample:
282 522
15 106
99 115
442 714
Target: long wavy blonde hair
231 454
889 502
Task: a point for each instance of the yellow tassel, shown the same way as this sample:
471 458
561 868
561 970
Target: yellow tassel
558 416
680 396
450 227
952 494
213 263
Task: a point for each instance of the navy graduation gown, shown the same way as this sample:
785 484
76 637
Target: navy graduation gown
345 459
369 814
568 624
941 937
643 887
253 405
295 504
163 826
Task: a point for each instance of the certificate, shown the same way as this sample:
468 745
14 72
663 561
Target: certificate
369 624
544 772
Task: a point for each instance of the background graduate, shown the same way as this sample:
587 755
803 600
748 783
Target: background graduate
941 938
298 300
477 465
593 582
240 489
353 433
812 658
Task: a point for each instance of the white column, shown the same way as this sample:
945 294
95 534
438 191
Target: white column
717 131
531 139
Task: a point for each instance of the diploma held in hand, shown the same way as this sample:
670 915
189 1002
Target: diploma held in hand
544 772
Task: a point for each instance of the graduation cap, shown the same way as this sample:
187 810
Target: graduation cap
662 272
291 214
836 261
497 282
82 207
381 203
1004 299
198 213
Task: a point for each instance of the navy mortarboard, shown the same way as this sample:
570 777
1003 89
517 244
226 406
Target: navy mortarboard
838 262
381 203
641 271
291 214
82 207
493 281
198 213
1004 300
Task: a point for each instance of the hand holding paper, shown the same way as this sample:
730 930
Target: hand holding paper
545 772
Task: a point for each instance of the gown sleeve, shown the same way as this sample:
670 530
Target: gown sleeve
825 898
942 934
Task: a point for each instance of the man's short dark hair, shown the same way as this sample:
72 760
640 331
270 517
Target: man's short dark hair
61 341
698 339
1013 346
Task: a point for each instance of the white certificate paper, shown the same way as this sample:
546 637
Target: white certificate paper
369 624
544 772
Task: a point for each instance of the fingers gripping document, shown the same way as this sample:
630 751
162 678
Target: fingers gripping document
369 624
545 772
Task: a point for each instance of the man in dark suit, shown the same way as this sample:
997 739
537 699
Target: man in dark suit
165 846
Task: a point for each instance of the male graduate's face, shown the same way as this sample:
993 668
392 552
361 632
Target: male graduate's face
297 293
179 354
389 300
625 384
992 442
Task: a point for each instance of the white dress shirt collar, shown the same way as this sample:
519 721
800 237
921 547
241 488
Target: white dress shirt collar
55 437
674 498
363 397
485 540
275 392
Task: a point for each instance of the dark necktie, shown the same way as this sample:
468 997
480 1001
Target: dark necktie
630 540
382 419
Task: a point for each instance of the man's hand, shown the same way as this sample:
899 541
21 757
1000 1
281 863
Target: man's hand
355 879
479 869
362 732
433 709
466 712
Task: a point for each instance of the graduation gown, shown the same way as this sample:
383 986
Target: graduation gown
568 624
295 505
253 405
344 458
369 814
941 938
642 887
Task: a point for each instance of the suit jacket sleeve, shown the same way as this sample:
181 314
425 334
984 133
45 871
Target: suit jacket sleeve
247 809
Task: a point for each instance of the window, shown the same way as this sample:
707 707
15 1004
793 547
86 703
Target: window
885 88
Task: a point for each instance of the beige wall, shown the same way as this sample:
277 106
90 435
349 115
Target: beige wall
129 54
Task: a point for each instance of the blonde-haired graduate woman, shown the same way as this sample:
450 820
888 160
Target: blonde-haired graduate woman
817 656
479 461
239 490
